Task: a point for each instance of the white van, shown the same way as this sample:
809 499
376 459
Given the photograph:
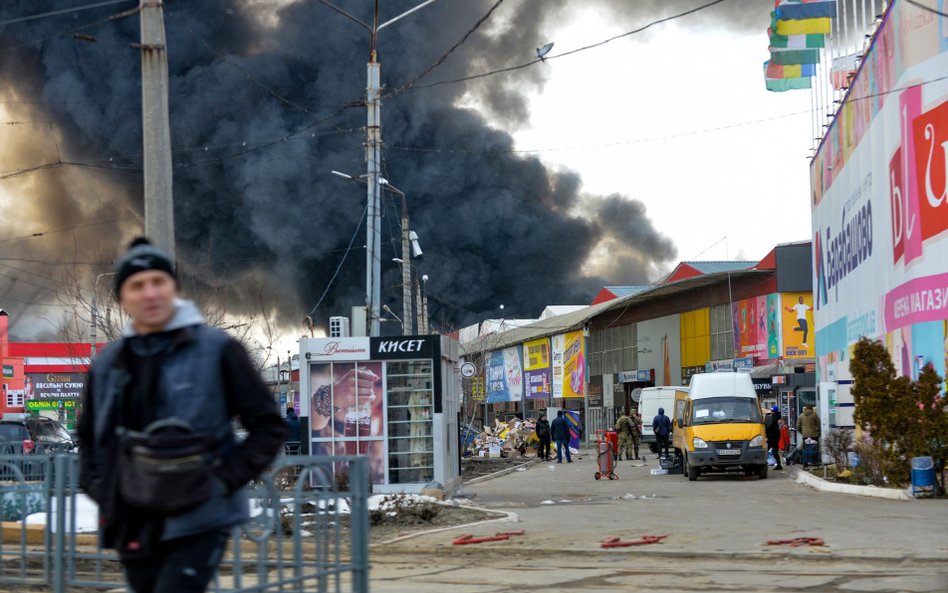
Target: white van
650 400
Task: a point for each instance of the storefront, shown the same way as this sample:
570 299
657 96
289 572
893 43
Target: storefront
394 400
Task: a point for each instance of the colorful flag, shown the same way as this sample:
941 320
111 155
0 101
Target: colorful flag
779 85
796 10
789 71
795 56
804 27
781 42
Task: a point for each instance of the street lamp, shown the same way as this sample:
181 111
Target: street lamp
373 144
95 310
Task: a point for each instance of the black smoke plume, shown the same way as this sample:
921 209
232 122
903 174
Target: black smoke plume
265 101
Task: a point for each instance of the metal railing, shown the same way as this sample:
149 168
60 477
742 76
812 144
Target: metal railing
308 532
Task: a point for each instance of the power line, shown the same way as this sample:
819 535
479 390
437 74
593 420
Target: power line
62 11
928 8
567 53
66 229
341 261
450 50
606 145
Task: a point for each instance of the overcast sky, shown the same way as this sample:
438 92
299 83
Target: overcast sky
653 105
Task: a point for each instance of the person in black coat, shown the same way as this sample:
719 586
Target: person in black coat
772 426
559 429
292 443
543 433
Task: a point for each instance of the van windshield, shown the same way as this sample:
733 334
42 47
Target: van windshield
715 410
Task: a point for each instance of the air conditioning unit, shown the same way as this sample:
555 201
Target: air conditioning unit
339 327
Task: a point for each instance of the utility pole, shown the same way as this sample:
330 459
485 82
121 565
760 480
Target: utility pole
373 147
156 133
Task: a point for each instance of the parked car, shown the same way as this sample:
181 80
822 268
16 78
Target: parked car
24 436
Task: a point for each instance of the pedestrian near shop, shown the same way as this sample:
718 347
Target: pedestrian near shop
772 429
543 433
168 389
559 430
784 443
624 427
292 444
808 425
662 427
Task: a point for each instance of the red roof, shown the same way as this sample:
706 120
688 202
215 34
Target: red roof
51 349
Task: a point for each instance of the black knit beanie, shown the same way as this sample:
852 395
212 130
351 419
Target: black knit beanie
140 257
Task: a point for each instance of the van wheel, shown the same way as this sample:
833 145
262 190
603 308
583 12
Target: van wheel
692 471
762 472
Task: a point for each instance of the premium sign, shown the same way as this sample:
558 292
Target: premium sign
336 349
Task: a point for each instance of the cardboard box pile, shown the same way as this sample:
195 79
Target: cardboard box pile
505 439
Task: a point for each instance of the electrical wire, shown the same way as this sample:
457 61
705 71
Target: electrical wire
341 261
570 52
450 50
928 8
62 11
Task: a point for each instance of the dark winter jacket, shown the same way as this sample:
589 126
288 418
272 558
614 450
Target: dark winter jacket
543 429
661 424
772 427
559 428
196 374
292 426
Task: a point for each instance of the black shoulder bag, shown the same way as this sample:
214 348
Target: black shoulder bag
167 466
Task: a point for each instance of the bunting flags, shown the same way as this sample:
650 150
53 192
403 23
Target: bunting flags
772 70
787 78
797 36
804 27
797 10
781 42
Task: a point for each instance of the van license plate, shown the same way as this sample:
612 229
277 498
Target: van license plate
729 451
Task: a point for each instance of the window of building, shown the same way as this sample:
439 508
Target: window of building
410 414
722 332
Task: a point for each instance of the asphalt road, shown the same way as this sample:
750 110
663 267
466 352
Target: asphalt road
717 532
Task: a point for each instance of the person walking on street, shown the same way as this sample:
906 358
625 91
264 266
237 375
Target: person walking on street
808 425
662 427
624 427
559 430
171 382
772 429
543 433
292 444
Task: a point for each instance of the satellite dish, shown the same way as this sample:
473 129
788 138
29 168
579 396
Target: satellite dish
637 394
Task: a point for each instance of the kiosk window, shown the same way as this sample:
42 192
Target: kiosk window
410 421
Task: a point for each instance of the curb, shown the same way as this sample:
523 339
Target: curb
808 479
509 517
499 473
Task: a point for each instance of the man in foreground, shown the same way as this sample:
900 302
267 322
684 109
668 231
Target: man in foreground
168 390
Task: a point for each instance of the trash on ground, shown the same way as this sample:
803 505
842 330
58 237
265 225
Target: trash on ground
615 541
797 541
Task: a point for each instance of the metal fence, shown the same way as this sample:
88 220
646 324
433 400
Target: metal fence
309 530
600 419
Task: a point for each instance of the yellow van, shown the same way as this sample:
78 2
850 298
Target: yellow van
718 426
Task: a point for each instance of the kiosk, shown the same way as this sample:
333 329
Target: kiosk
393 399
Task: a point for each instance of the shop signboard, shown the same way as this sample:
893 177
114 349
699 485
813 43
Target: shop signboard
797 323
753 327
536 369
477 389
322 350
51 404
595 391
659 345
687 372
504 376
737 365
880 211
54 385
569 365
8 371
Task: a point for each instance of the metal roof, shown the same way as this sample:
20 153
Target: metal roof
577 320
621 291
710 267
